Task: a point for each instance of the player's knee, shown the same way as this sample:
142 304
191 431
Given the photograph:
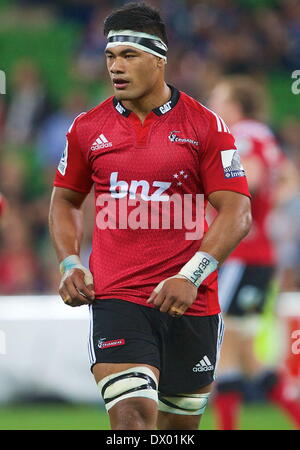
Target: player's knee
134 414
130 397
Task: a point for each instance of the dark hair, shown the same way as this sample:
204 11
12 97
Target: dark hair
137 17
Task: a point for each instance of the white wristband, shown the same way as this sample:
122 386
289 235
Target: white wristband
199 267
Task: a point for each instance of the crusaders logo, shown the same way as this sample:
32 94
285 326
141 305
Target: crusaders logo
103 343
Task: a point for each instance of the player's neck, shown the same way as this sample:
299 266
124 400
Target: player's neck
144 105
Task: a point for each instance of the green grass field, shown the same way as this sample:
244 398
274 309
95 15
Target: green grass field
89 417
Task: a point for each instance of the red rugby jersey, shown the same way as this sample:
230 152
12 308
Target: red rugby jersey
182 151
254 138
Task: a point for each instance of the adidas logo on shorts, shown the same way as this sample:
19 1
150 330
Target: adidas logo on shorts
204 365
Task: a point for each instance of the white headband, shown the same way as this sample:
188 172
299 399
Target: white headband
142 41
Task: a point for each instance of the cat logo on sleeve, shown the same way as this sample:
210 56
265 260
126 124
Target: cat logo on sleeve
232 165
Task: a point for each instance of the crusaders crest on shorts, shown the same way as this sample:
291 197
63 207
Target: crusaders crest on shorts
103 343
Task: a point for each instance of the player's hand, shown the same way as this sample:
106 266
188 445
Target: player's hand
77 288
173 296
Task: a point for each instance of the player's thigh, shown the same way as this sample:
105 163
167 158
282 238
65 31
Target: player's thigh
169 421
121 333
125 358
190 358
190 353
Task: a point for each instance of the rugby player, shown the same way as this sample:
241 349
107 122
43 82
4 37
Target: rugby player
247 275
156 328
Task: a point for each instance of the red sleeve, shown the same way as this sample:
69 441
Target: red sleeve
220 165
73 171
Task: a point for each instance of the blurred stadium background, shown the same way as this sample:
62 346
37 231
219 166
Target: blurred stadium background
52 55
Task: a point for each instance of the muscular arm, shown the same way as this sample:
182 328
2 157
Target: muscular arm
66 229
65 221
230 226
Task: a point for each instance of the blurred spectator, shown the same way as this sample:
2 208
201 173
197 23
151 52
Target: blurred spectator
52 136
286 231
286 219
13 177
290 135
291 14
28 104
90 58
18 262
2 118
2 206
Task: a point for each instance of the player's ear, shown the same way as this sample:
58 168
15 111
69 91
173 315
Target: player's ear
160 63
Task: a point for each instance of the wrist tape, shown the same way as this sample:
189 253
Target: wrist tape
199 267
74 262
70 262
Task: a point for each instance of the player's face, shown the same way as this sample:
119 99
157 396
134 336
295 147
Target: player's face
134 73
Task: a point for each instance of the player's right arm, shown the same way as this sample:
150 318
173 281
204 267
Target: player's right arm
72 183
65 224
65 221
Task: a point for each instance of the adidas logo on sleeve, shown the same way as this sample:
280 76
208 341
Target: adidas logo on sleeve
204 365
101 142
